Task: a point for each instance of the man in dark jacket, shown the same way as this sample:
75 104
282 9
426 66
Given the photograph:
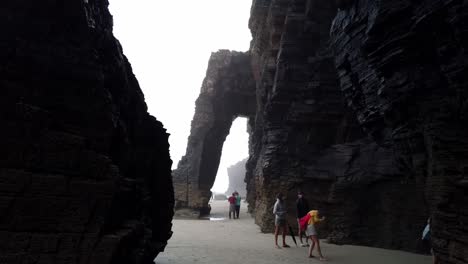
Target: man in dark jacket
302 208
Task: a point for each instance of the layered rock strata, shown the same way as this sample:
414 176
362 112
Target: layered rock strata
370 123
228 91
84 169
236 174
403 69
306 139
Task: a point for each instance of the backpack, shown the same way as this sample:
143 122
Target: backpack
304 221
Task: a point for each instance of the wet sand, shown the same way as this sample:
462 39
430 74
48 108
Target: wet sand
240 241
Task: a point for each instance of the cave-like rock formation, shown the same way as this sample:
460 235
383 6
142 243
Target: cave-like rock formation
84 169
228 91
236 174
403 68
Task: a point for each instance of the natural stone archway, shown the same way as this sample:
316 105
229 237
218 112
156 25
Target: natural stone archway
373 131
304 137
228 91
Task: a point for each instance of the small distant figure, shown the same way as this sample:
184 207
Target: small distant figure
426 236
232 206
279 210
302 207
310 220
238 203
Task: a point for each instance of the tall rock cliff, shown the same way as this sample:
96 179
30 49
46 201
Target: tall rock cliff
403 68
364 129
307 139
370 123
84 169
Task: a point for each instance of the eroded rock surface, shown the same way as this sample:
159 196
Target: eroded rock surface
370 124
84 169
403 69
305 137
228 91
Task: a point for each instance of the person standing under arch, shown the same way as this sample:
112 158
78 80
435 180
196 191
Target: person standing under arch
232 206
238 203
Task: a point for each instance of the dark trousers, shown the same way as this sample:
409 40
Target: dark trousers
237 210
232 209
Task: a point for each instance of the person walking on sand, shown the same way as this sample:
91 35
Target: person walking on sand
302 208
279 210
311 232
232 206
238 203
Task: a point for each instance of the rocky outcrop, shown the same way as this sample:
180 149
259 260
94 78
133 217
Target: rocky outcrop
228 91
306 138
84 169
370 123
236 174
403 69
303 136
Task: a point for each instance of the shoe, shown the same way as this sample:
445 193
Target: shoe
304 245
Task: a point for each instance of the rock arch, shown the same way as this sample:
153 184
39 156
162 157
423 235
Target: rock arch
228 91
372 132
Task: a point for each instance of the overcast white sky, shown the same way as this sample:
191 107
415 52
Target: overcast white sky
168 43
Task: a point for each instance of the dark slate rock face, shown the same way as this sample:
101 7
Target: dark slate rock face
236 174
84 169
301 114
403 69
228 91
305 137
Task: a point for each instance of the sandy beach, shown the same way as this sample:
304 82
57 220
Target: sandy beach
222 240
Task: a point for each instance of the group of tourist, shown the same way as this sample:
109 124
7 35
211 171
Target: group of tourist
306 220
234 205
